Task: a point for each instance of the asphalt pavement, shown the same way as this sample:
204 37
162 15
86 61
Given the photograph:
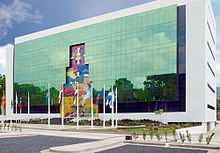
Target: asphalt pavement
34 144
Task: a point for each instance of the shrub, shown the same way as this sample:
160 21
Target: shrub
158 136
151 133
8 126
166 134
12 127
20 129
84 122
144 135
174 135
182 137
135 136
189 137
4 126
200 138
209 138
16 128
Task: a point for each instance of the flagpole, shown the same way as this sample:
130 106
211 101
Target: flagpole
20 106
104 107
48 103
77 107
16 104
28 103
62 103
92 117
116 107
2 108
112 106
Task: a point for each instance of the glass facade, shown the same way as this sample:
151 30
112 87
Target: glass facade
138 54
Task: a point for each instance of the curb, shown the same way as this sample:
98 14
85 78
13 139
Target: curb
198 146
83 150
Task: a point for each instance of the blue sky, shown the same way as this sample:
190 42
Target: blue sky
19 17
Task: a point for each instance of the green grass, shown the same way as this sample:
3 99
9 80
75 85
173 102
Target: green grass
147 130
129 131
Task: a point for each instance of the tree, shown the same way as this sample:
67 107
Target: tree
218 109
2 84
37 95
2 88
125 89
159 112
161 87
218 104
140 95
54 93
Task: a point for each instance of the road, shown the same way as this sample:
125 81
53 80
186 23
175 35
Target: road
34 144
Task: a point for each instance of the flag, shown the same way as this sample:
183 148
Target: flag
110 98
75 95
12 104
60 97
67 90
20 100
87 95
100 95
71 75
28 101
83 69
16 103
20 105
46 98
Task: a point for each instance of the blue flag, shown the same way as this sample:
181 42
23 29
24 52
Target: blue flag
110 98
46 99
100 96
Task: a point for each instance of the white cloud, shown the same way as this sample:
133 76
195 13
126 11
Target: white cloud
2 59
17 12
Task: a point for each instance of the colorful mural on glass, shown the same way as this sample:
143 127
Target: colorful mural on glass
77 84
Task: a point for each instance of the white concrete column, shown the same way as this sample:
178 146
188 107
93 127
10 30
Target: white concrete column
9 79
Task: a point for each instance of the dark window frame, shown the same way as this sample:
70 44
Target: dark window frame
210 49
210 31
210 107
210 68
210 87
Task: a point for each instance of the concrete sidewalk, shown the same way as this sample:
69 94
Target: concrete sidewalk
64 127
27 117
58 130
104 141
216 137
89 147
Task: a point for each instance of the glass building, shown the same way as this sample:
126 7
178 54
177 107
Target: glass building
139 50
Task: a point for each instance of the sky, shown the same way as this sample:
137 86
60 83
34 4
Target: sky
20 17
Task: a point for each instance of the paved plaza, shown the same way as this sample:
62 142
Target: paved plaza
37 138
